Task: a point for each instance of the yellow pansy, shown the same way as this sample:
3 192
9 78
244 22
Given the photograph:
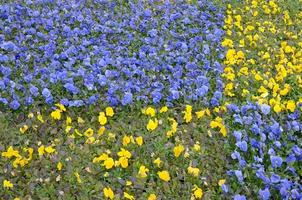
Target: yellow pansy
291 106
188 114
164 175
102 157
178 150
139 140
157 161
223 130
40 118
152 124
108 193
277 108
41 150
109 111
200 114
90 140
24 128
128 196
126 140
196 147
20 161
89 132
128 183
101 130
124 162
77 175
124 153
61 107
108 163
152 197
7 184
59 166
197 192
68 120
102 118
56 114
221 182
193 171
150 111
81 120
50 149
142 173
163 109
68 129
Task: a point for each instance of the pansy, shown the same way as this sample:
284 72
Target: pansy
276 161
164 175
242 145
7 184
108 193
239 175
264 194
265 109
239 197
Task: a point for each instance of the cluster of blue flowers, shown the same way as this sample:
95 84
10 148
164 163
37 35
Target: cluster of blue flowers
267 152
80 52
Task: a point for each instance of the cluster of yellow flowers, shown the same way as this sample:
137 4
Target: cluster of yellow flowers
113 151
265 53
19 159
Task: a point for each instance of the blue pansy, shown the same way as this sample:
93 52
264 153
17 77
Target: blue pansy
238 118
157 96
265 109
225 188
202 91
242 145
34 91
175 94
237 135
46 93
290 158
29 100
296 193
14 105
214 102
255 129
235 155
70 87
271 152
297 151
127 98
276 161
49 100
264 194
239 175
3 100
275 178
76 103
239 197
